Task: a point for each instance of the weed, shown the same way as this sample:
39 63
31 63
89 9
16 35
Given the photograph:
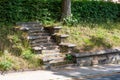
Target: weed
27 54
70 21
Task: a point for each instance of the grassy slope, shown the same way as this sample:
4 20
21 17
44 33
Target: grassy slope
15 52
93 37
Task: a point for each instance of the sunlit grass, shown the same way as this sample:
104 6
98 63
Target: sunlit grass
92 37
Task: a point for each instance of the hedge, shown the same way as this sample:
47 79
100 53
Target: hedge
96 11
32 10
28 10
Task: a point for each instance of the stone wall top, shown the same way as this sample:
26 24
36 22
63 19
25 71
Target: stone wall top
102 52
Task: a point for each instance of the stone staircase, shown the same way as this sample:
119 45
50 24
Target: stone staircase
50 46
45 42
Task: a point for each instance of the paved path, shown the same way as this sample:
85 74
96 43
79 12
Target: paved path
110 77
66 73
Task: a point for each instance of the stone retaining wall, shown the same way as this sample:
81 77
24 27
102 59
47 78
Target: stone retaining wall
101 57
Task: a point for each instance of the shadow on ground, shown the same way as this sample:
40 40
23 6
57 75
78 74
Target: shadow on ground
78 73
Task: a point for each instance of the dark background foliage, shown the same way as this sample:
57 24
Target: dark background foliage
95 11
12 11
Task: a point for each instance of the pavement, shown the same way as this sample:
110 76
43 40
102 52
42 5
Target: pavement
109 77
64 73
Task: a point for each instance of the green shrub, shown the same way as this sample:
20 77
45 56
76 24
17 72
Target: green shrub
69 57
5 65
30 10
95 11
32 59
70 21
47 10
27 54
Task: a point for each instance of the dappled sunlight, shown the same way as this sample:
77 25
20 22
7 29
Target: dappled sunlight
79 72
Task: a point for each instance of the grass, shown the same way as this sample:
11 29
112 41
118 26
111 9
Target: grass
15 51
93 37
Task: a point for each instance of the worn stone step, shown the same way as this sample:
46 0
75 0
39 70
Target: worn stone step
52 47
67 44
41 41
45 44
47 48
57 61
51 59
27 27
37 31
28 24
39 34
37 48
51 52
38 37
32 28
53 29
52 55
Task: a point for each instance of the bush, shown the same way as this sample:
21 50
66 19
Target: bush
28 10
95 11
44 10
5 65
32 59
69 57
27 54
47 10
70 21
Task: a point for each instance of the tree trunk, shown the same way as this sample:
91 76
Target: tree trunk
66 8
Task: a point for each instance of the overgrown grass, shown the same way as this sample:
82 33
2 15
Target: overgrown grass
92 37
15 51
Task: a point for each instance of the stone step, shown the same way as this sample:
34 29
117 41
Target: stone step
37 31
53 29
28 24
38 37
53 59
42 41
47 52
44 44
39 34
67 44
55 53
38 48
57 60
23 28
52 47
46 47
